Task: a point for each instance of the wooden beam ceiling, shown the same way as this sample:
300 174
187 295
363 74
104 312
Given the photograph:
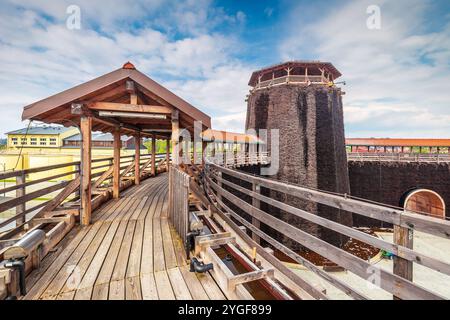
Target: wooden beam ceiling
123 107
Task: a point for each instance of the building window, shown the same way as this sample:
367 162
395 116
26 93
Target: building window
23 141
43 141
15 141
53 141
33 141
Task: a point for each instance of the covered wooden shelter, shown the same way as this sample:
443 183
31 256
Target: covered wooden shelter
123 102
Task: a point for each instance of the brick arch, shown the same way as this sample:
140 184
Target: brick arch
425 201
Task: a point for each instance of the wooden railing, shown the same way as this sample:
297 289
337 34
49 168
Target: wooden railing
229 197
238 159
179 200
399 157
302 79
50 179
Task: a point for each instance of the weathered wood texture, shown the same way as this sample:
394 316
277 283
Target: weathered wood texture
178 200
399 283
130 251
86 187
116 164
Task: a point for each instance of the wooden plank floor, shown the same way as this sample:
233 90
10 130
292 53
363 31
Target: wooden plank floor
130 252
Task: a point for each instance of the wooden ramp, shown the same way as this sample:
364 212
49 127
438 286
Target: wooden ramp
129 252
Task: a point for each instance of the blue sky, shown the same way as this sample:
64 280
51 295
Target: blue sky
398 76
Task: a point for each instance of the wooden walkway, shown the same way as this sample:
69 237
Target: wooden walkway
129 252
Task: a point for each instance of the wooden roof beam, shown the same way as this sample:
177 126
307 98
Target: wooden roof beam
115 123
153 96
123 107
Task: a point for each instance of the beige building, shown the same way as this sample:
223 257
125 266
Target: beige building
47 145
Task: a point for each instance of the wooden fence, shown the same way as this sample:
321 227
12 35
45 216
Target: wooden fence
18 199
179 200
239 159
399 282
399 157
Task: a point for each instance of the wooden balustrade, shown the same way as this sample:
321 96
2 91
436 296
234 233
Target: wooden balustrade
294 79
240 159
229 196
18 197
399 157
179 200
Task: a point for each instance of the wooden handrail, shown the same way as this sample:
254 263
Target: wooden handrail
398 157
11 174
22 198
395 283
407 219
400 251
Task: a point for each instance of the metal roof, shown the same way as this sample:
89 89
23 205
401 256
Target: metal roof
41 130
97 136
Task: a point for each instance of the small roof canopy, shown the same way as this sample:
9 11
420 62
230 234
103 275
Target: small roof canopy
268 72
124 98
398 142
230 137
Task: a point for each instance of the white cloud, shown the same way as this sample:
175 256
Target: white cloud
39 56
397 77
232 122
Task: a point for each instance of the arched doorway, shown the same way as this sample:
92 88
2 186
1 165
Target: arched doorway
425 201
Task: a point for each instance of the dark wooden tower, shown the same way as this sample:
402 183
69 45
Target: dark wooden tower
300 99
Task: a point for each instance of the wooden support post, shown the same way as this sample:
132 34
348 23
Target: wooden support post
153 155
137 159
402 267
187 151
204 151
20 180
194 152
86 186
167 154
256 203
116 164
223 153
175 137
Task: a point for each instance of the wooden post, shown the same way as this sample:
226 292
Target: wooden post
78 170
20 193
223 153
402 267
175 137
137 159
153 155
256 203
204 153
187 151
116 164
213 149
194 152
167 154
86 192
